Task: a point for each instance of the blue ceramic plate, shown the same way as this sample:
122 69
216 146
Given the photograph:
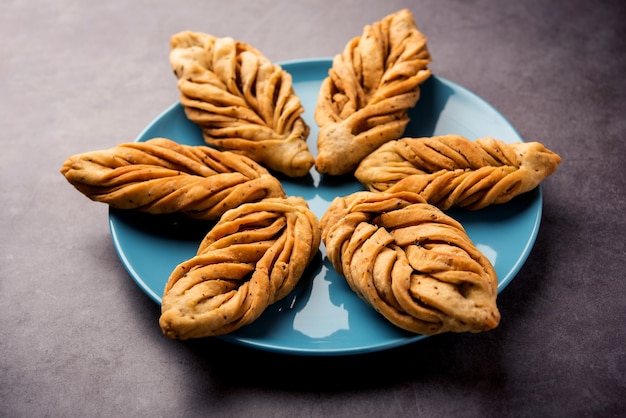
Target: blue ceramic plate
323 316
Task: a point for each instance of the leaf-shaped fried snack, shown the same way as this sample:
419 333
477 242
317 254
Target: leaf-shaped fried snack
363 102
451 170
242 102
160 176
253 257
411 262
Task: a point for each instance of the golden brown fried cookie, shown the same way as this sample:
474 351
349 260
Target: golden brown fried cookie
411 262
161 176
253 257
451 170
363 102
242 102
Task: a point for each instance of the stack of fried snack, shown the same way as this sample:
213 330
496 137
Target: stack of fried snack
393 244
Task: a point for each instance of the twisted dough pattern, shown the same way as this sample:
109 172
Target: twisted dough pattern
241 101
161 176
253 257
451 170
411 262
364 100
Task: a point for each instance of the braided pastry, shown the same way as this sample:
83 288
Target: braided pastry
451 170
241 101
411 262
364 100
253 257
161 176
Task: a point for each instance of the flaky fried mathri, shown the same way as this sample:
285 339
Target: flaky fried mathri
371 85
253 257
160 176
242 102
451 170
411 262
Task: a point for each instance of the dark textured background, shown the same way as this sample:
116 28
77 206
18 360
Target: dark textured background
77 336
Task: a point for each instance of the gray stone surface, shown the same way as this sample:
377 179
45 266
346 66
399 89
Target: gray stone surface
78 337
